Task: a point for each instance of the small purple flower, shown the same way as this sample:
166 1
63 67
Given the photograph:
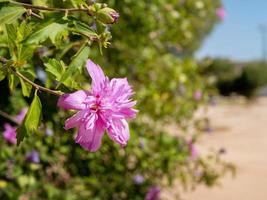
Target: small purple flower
33 157
192 150
138 179
153 193
197 95
208 129
49 132
220 12
10 133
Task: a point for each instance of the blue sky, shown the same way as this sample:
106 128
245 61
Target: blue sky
238 37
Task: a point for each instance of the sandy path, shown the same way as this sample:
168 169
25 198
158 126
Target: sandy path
242 129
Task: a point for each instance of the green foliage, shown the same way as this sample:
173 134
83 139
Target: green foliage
53 31
31 120
9 14
78 60
252 78
240 78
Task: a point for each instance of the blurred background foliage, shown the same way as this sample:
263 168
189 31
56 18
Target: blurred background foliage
153 45
236 78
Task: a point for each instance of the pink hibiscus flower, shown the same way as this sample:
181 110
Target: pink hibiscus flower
220 12
19 118
105 108
10 131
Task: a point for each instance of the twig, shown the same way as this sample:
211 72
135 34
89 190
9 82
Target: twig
7 116
30 6
36 86
30 13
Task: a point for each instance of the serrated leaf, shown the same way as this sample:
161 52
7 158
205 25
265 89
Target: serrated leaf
78 61
25 52
53 31
24 30
55 68
11 30
9 14
31 120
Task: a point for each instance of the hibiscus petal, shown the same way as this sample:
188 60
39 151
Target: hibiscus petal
73 101
121 90
10 133
21 115
118 131
125 113
90 139
75 120
97 75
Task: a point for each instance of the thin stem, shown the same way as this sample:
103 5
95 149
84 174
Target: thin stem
30 6
30 13
36 86
92 38
7 116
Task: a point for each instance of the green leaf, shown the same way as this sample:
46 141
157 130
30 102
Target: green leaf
53 31
25 52
78 61
9 14
11 30
2 76
56 69
31 120
3 72
13 81
77 3
26 88
24 30
82 29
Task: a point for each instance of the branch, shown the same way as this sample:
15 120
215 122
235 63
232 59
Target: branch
7 116
30 6
30 13
36 86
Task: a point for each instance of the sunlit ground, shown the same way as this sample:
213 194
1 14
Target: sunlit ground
240 128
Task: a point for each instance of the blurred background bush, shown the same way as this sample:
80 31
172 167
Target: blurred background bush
232 77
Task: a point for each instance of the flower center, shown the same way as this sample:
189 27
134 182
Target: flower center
95 107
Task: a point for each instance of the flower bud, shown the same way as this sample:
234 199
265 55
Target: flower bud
107 16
